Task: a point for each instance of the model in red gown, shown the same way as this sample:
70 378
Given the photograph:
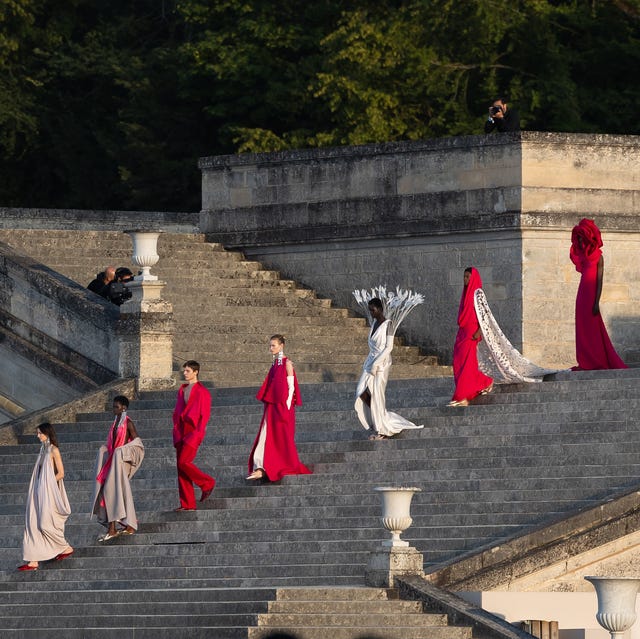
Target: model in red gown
594 350
470 381
274 452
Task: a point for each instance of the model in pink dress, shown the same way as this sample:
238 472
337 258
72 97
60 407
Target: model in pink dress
470 381
594 350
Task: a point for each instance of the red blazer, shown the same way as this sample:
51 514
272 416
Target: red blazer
190 418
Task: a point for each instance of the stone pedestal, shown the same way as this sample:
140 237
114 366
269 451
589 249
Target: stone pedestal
388 563
146 330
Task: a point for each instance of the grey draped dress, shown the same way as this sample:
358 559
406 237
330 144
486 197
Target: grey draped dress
46 513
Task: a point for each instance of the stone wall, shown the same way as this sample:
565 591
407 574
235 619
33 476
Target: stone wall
89 220
415 214
52 312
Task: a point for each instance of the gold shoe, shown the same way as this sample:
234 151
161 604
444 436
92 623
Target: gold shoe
108 536
256 474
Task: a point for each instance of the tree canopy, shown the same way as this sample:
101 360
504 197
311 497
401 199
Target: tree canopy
109 104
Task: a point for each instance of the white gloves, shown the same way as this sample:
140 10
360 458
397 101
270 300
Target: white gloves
290 396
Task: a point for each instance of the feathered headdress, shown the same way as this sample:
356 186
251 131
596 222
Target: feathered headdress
396 305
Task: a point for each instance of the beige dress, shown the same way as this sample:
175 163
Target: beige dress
47 511
113 500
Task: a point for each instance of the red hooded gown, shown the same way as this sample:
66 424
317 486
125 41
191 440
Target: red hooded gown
469 380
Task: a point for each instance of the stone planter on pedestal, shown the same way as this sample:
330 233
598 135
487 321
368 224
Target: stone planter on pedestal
616 603
146 323
395 557
145 252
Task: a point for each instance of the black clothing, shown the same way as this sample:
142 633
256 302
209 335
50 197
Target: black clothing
99 286
117 292
510 122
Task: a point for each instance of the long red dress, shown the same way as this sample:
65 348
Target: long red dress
594 350
470 381
280 453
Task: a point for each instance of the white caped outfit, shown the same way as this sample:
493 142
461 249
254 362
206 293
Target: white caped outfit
374 378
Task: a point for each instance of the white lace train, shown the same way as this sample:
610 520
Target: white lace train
496 355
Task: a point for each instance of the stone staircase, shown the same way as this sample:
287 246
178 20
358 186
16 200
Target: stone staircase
313 613
525 455
226 308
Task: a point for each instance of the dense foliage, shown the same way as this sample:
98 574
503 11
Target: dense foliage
109 104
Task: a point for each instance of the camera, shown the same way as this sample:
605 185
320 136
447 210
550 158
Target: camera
495 109
119 293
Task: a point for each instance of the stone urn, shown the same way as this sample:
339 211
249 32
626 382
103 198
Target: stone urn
616 603
396 513
145 253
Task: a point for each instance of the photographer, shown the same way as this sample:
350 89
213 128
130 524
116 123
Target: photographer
501 118
118 293
100 285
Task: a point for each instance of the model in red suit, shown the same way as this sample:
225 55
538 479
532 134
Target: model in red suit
470 381
274 451
190 418
594 350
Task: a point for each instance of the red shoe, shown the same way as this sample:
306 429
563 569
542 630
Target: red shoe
63 555
27 567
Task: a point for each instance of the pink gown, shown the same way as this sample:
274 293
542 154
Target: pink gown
594 350
470 381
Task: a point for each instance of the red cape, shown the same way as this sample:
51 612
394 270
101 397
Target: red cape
280 453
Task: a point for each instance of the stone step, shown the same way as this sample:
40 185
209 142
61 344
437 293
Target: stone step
378 620
361 626
230 580
291 326
413 471
153 620
160 471
428 405
250 350
332 459
257 598
85 629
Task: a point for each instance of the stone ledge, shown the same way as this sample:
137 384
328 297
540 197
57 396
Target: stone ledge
385 148
65 364
562 220
490 567
382 148
459 612
96 401
92 220
41 299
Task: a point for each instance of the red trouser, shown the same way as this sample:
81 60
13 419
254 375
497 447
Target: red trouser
189 474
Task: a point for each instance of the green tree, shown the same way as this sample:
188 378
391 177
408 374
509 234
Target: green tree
18 122
109 104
